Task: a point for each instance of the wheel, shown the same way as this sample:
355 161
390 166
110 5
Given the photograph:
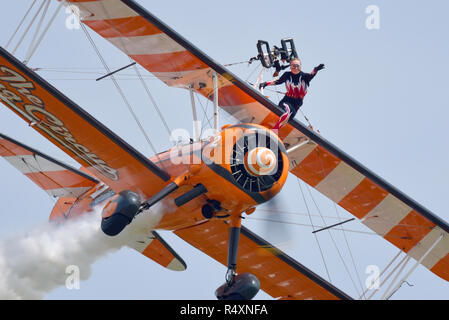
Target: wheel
244 287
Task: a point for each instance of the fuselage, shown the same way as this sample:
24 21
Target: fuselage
220 164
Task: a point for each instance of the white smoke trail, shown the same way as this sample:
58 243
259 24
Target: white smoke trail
33 263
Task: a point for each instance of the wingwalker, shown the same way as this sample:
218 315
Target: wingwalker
203 188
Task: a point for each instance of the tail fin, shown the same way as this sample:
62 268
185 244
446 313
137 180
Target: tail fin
51 175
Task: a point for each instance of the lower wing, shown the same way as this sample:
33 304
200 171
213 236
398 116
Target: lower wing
280 275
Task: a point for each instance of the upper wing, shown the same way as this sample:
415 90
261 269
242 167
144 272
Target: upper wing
54 177
280 276
69 127
173 59
177 62
380 206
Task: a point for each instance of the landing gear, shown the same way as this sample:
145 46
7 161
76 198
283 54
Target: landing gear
230 276
237 287
243 287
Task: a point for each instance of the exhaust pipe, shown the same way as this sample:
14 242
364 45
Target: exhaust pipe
198 190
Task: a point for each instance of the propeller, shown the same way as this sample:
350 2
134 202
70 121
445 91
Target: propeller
275 225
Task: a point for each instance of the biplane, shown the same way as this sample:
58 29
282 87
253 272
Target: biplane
207 185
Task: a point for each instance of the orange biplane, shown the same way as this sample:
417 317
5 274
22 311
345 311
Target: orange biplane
206 186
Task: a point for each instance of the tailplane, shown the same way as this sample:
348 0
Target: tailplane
54 177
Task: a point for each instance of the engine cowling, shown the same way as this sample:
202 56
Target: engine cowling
259 162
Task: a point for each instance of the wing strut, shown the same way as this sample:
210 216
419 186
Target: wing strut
215 84
388 294
234 235
196 123
401 265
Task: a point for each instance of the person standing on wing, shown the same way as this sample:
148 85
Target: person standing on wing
296 83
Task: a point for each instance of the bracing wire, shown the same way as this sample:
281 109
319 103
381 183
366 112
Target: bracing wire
236 63
36 44
309 225
28 28
381 274
20 24
252 72
152 100
333 241
350 251
204 114
120 91
141 80
298 214
316 238
40 179
401 264
36 32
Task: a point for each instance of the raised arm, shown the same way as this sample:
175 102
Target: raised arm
317 68
309 76
282 79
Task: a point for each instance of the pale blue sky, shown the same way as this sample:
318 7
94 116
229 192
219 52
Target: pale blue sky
382 99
